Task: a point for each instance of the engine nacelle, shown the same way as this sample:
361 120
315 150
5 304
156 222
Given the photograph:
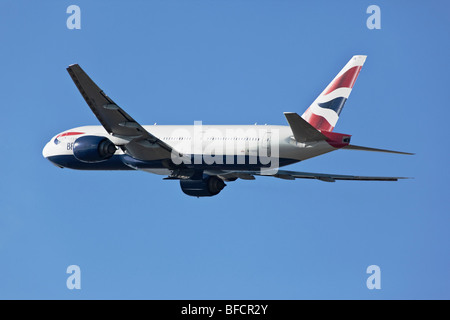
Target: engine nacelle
93 149
206 187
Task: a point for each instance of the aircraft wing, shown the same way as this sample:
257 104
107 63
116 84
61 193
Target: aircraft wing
142 144
292 175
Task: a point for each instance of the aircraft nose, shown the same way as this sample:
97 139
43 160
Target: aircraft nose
46 151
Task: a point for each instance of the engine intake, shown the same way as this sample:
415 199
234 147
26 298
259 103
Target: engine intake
93 149
206 187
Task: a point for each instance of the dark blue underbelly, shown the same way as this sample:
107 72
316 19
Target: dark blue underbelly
125 162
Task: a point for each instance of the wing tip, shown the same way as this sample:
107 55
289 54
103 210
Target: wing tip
73 66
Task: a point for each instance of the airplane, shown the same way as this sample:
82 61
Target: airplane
204 157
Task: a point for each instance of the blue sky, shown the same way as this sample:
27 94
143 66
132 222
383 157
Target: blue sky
135 236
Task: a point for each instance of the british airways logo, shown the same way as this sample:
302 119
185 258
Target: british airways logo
57 141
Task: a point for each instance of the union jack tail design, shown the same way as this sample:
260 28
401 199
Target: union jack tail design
324 112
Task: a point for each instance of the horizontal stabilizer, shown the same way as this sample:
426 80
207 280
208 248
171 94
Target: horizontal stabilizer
302 130
353 147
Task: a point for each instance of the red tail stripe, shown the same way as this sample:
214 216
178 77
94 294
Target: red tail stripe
319 122
346 80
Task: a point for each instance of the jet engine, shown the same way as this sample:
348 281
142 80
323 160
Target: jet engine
206 187
93 149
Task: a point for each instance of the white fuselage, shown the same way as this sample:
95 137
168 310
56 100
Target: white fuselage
217 145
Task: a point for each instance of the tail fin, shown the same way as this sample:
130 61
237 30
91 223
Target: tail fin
323 113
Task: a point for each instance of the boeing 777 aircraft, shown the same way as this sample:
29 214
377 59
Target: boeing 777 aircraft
204 157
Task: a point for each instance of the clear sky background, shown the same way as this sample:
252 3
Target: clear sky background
136 236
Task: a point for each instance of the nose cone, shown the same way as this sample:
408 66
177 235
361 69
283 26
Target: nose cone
46 150
49 153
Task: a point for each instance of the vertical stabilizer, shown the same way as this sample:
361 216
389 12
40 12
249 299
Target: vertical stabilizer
323 113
